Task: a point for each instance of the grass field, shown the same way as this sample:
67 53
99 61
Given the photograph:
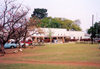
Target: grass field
43 66
55 56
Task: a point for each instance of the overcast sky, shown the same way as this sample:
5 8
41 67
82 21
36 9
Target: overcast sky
70 9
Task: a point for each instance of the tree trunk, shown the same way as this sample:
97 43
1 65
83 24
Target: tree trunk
50 39
19 45
2 49
25 36
24 41
91 40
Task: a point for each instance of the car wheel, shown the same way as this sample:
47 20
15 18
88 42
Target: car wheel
12 47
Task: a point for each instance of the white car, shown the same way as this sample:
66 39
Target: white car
22 44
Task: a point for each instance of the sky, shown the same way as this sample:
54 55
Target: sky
69 9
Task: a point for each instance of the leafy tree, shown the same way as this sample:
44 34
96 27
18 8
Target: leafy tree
50 34
50 22
53 23
75 27
67 24
40 13
95 30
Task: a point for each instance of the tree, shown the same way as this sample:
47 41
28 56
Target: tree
95 30
50 22
50 34
12 20
33 26
36 17
39 13
66 23
33 22
75 27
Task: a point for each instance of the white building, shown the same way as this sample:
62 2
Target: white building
57 33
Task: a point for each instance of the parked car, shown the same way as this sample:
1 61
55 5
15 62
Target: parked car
27 42
97 40
22 44
10 45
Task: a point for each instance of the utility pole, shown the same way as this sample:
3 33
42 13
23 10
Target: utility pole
92 28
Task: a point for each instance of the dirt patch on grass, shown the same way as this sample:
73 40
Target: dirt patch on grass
21 54
53 62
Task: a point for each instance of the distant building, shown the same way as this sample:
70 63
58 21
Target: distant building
60 35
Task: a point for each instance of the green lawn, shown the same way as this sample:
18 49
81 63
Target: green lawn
43 66
66 52
70 52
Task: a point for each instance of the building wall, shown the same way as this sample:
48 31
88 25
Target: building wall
57 32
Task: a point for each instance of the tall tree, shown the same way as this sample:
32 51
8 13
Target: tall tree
40 13
36 17
12 19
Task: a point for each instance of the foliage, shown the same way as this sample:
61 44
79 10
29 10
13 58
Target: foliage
95 30
50 22
35 18
40 13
